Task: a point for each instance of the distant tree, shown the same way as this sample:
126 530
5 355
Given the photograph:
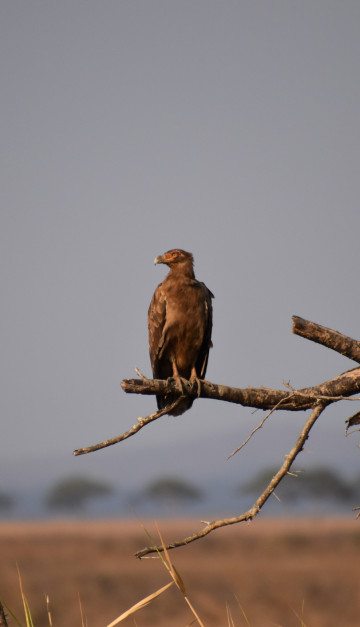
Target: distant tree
172 490
75 491
319 483
6 501
355 484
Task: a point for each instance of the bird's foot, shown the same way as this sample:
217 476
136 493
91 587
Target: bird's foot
196 382
183 383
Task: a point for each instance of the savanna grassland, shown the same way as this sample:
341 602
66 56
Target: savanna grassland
276 572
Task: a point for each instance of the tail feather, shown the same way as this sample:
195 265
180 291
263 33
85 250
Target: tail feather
181 408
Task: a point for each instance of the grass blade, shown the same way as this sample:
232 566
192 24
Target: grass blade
177 578
28 618
140 604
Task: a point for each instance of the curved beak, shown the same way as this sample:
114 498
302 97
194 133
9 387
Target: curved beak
158 259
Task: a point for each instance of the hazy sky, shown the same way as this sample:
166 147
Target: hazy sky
227 128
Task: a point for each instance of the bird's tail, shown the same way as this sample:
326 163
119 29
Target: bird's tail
169 399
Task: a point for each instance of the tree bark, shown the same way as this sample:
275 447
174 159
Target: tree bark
344 385
327 337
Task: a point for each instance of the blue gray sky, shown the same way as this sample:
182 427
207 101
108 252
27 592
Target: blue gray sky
227 128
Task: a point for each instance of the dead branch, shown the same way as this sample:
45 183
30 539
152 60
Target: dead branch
139 425
256 508
352 421
259 426
342 387
338 388
331 339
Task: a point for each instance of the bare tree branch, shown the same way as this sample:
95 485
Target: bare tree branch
352 421
339 388
256 508
257 428
139 425
331 391
344 385
332 339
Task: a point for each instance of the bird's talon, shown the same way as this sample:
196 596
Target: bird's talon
196 382
183 382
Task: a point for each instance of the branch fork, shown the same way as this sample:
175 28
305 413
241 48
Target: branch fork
316 398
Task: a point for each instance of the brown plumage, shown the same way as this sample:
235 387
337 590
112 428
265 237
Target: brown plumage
180 324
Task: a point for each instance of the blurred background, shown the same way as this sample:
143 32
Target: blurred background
229 129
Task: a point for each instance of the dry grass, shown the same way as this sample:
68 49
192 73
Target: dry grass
269 573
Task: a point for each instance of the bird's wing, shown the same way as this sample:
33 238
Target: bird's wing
156 324
202 360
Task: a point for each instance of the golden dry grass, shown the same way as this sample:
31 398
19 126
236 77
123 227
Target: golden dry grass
267 573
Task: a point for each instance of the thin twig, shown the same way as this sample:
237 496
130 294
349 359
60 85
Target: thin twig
319 397
139 425
139 373
259 426
259 503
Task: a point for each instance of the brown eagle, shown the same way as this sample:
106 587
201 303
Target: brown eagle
180 325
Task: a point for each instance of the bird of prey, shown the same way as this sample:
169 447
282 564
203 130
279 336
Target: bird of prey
180 325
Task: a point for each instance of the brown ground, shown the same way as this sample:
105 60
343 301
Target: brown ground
280 572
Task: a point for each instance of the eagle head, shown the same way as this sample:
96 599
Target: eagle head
176 255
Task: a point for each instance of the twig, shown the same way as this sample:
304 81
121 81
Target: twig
256 508
140 424
259 426
351 422
139 373
333 399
